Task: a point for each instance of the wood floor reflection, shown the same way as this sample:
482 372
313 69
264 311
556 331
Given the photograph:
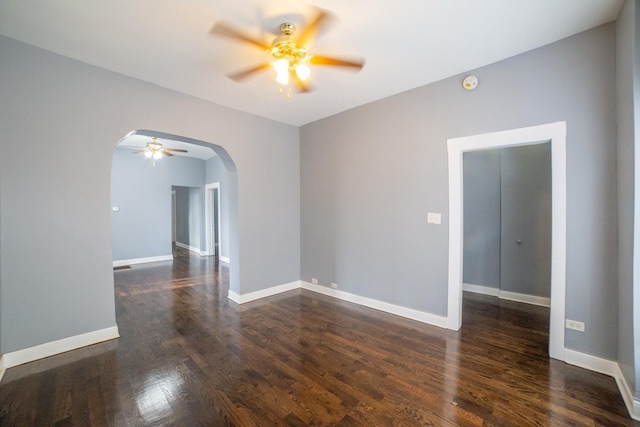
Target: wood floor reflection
188 357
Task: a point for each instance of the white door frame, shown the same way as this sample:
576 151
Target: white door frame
208 214
556 134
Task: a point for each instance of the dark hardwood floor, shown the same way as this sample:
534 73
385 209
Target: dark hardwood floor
189 357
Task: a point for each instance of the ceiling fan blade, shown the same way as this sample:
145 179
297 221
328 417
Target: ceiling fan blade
241 75
166 153
309 32
326 60
139 152
176 150
227 30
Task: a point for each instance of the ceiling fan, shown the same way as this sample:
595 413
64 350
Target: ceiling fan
290 57
155 150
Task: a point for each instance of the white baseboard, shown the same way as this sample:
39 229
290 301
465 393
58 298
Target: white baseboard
263 293
233 296
190 248
194 249
52 348
527 299
133 261
484 290
409 313
398 310
2 368
511 296
224 259
607 367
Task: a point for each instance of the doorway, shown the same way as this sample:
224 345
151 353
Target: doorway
143 231
554 133
507 223
212 219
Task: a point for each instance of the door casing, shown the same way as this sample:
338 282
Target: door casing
555 133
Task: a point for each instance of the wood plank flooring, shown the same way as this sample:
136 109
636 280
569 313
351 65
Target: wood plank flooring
189 357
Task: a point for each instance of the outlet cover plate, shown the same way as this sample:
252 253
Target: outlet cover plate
575 325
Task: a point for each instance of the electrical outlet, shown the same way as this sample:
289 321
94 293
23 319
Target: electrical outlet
334 286
575 325
314 281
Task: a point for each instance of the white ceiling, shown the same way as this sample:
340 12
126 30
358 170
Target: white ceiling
137 142
406 43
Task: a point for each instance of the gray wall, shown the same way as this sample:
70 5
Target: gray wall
182 214
216 172
525 206
481 246
189 216
370 175
59 122
142 226
189 221
627 57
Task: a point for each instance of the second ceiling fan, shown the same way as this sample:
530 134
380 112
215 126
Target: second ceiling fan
155 150
291 59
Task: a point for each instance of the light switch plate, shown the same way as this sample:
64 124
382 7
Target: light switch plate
434 218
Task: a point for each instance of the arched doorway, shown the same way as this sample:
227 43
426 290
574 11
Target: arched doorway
151 220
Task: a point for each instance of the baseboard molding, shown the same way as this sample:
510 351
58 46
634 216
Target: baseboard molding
190 248
398 310
224 259
510 296
2 368
408 313
527 299
120 263
52 348
633 404
607 367
263 293
484 290
233 296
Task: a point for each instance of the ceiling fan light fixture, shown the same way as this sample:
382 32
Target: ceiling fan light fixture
157 155
148 154
288 52
303 71
282 71
281 66
283 78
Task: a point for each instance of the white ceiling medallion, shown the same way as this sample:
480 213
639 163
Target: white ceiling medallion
470 82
